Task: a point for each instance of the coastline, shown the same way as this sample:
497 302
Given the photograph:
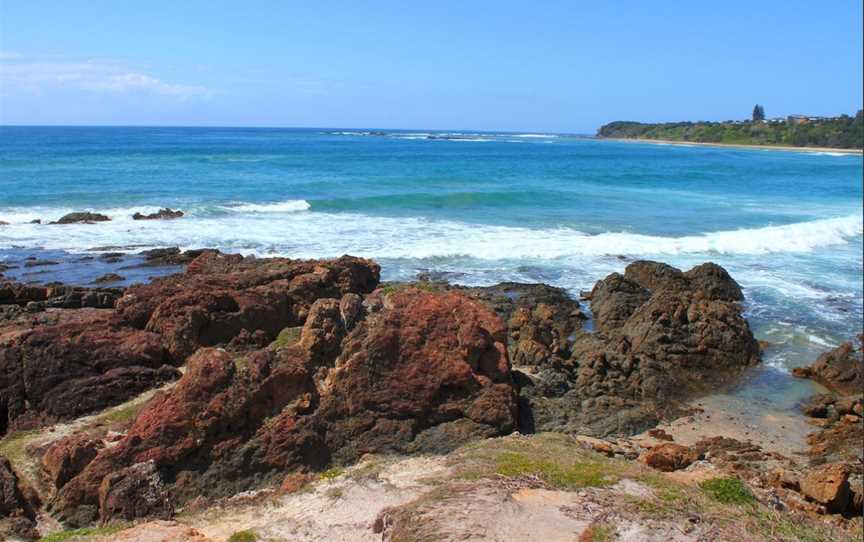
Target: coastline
732 145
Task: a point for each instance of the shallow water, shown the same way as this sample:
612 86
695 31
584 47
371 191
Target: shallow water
477 208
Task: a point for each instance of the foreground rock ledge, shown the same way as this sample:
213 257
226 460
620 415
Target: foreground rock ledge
295 365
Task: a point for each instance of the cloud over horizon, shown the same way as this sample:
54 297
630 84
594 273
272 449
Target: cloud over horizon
23 74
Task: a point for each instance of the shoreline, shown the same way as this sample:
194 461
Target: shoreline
732 145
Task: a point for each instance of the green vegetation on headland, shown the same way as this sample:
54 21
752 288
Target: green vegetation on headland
843 132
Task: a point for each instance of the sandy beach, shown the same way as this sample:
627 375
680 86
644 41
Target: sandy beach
734 145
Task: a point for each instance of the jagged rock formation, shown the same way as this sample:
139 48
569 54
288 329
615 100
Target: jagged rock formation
89 360
420 372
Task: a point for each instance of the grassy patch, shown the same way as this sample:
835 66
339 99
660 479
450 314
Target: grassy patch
122 413
286 337
424 286
86 532
14 445
580 473
331 473
729 490
554 458
243 536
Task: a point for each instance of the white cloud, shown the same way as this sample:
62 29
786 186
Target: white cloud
19 73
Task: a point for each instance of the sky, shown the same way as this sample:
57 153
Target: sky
556 66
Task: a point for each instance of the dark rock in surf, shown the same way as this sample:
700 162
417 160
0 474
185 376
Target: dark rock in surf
109 277
82 218
162 214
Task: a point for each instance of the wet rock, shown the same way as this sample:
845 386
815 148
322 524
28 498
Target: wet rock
35 221
134 492
827 485
40 263
171 256
669 457
109 277
841 369
161 214
68 456
82 218
3 223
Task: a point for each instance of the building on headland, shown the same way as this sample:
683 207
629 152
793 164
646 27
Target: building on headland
804 119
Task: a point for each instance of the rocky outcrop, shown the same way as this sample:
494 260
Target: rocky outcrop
221 295
82 218
841 369
659 335
102 358
17 506
74 368
405 372
134 492
161 214
67 457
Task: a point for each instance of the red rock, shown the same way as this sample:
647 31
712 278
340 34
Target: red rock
669 457
827 485
424 373
66 457
71 369
295 481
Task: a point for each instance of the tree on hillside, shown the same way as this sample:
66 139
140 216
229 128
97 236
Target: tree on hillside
758 113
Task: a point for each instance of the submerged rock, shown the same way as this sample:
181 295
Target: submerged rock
161 214
109 277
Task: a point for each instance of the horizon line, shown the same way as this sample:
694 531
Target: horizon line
275 127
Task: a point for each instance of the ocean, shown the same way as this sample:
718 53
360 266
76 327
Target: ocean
470 207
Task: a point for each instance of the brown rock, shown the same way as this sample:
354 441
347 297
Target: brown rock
68 456
827 485
841 369
669 457
134 492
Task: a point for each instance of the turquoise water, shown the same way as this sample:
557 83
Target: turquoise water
476 208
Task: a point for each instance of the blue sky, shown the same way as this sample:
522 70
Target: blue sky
565 66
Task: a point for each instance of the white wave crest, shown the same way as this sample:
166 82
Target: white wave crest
261 228
289 206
